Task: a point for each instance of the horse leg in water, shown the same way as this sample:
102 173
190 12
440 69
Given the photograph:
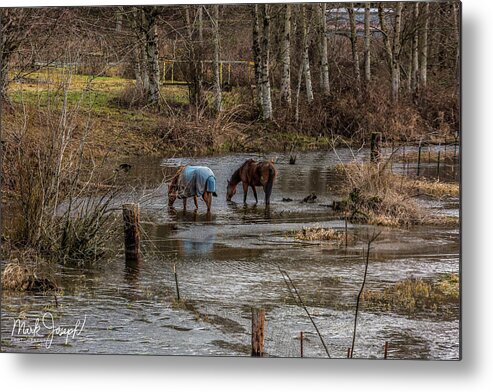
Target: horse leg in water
185 203
245 191
196 201
207 196
254 193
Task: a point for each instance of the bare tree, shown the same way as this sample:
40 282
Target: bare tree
396 52
306 56
386 37
257 54
152 52
414 72
324 62
354 43
261 52
286 57
423 45
367 45
216 64
194 54
139 54
17 27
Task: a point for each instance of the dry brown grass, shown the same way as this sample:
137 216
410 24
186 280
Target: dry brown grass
377 196
322 234
429 187
16 277
415 294
426 156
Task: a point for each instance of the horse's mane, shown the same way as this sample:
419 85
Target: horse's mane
236 177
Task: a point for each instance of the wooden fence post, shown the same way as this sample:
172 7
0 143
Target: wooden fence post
258 323
301 344
176 283
438 164
375 146
131 228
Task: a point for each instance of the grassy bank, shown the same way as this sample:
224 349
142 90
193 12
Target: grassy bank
121 126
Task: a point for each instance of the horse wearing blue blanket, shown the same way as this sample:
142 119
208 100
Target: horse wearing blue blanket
192 181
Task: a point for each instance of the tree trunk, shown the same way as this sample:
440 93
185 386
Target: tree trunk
265 56
119 19
217 81
286 58
354 43
324 62
194 51
152 53
367 45
386 39
423 45
257 55
414 74
140 67
306 58
456 17
396 50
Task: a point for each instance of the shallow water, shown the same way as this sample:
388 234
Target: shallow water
228 262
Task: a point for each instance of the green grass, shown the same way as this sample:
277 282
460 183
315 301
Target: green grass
47 87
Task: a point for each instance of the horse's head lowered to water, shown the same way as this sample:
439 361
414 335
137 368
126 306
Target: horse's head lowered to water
230 190
252 174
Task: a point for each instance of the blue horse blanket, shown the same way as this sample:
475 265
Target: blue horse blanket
194 181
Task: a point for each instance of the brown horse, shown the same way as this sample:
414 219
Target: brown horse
252 174
192 181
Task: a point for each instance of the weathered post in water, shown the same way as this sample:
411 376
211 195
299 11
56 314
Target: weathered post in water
376 137
419 158
258 323
131 228
301 344
176 283
386 350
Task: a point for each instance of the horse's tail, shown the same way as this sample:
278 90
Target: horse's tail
270 183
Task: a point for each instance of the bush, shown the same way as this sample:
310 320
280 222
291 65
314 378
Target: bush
131 97
57 214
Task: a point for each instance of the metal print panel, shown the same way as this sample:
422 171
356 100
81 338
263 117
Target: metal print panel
269 180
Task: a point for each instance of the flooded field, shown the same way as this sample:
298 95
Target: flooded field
228 262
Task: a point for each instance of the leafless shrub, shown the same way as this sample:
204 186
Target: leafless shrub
132 96
48 175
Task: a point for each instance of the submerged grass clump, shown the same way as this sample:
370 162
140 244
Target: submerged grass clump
321 234
415 294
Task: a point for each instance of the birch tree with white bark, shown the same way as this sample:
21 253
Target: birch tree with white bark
286 57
